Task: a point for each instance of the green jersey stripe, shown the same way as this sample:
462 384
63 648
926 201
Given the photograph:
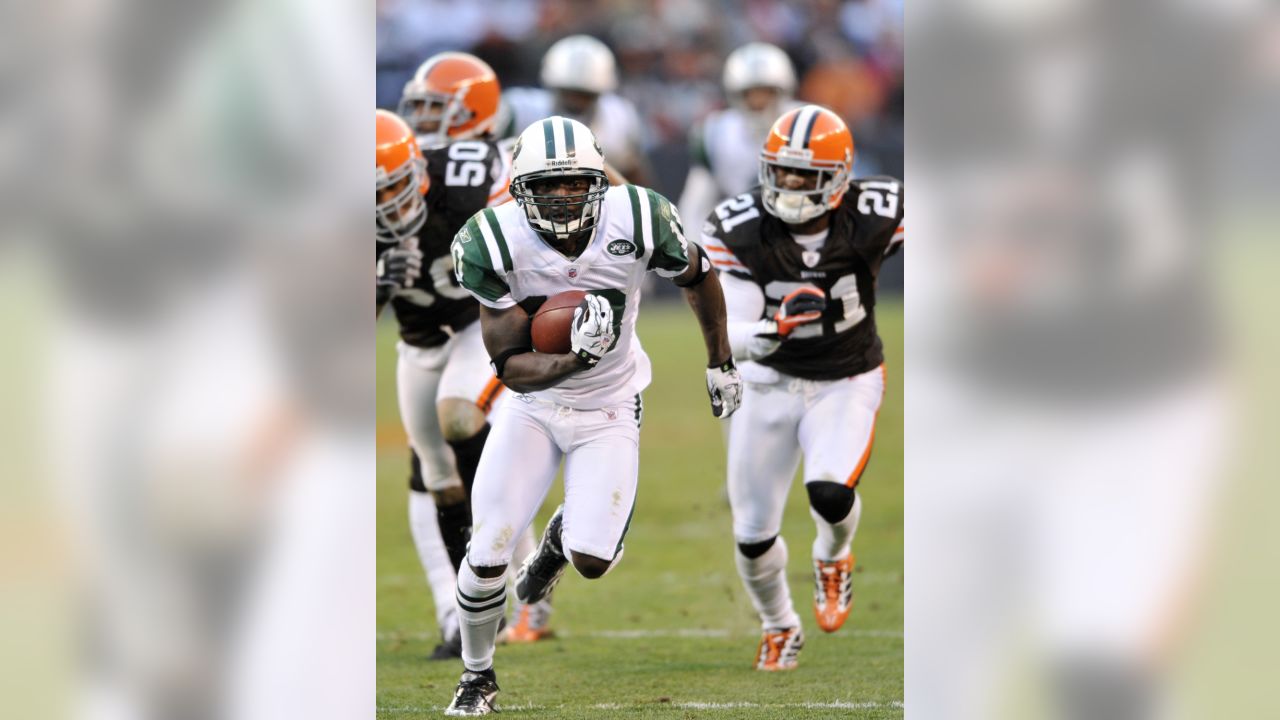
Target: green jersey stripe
637 232
496 227
654 225
474 228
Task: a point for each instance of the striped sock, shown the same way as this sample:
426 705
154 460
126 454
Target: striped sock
481 604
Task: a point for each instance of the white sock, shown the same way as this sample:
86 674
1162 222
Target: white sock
765 578
833 539
524 546
434 558
481 604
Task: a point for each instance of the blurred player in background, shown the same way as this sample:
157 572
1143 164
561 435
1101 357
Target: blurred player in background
451 104
798 258
567 230
759 82
579 77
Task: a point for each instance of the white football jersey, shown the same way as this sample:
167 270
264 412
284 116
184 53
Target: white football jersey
500 260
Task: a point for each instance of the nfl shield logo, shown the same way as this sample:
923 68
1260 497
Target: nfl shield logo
573 271
810 258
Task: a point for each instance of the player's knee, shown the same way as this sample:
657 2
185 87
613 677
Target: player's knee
589 566
831 500
751 551
459 419
488 571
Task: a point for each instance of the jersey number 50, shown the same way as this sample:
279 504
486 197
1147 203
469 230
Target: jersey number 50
464 168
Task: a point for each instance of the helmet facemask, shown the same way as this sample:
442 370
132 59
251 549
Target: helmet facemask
399 208
797 206
561 216
432 115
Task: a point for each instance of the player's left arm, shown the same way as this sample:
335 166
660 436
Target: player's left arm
687 265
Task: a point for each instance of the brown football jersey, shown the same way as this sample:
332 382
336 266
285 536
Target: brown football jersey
462 176
745 241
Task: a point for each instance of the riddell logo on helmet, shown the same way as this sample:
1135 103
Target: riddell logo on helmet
795 153
559 163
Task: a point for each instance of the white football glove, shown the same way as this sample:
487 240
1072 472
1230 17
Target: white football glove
764 339
400 267
725 388
591 334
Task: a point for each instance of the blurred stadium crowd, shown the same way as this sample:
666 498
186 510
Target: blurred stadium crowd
670 55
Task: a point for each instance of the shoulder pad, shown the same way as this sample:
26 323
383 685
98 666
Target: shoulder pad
736 221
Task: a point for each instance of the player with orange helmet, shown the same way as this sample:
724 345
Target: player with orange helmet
443 379
452 96
798 258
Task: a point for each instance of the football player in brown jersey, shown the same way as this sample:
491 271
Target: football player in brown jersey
798 258
443 380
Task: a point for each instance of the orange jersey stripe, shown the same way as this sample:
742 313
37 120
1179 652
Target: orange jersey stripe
489 394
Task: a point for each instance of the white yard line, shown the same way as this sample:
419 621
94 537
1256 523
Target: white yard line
639 634
682 704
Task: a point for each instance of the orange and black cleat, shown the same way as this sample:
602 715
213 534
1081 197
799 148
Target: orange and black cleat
832 592
531 623
780 649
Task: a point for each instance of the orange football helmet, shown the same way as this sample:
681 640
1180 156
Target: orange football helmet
807 144
452 96
402 180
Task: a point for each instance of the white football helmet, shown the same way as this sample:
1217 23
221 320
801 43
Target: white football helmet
756 65
579 62
558 147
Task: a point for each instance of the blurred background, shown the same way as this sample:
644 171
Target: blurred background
848 56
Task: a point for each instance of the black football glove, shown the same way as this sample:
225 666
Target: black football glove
400 267
800 307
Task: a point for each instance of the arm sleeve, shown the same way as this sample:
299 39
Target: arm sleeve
670 255
474 270
744 302
895 242
722 258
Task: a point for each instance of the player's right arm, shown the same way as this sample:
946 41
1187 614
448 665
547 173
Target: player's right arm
506 337
504 325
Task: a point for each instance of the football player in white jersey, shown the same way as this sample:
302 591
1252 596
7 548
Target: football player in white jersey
759 82
579 78
567 230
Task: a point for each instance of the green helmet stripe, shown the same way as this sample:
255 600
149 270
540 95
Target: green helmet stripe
549 135
569 149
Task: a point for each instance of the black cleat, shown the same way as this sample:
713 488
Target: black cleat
450 649
545 566
475 694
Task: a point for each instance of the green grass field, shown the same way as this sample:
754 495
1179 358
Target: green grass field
670 632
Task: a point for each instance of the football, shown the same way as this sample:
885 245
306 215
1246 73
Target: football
550 328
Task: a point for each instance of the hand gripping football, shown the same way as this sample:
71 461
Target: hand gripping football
551 323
